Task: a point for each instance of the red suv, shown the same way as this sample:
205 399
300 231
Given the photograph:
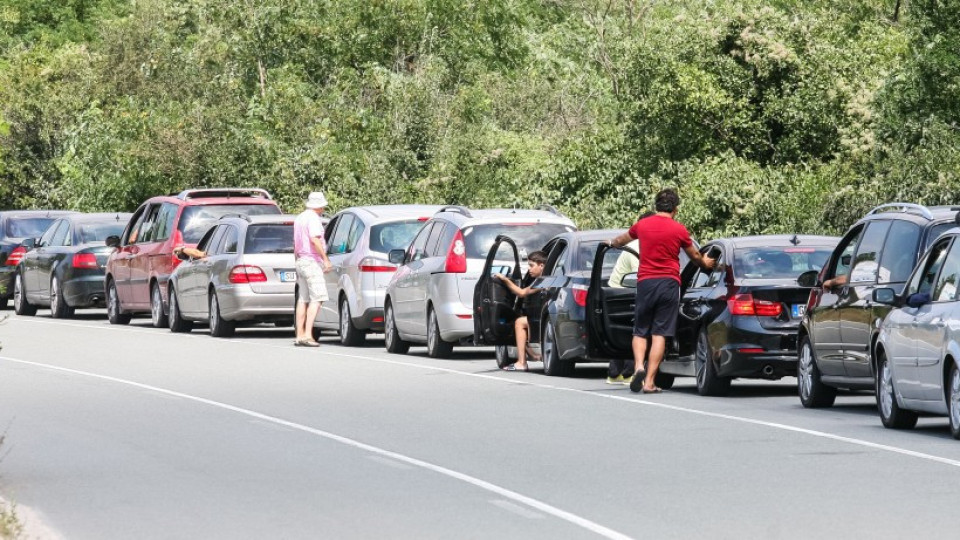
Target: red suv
138 270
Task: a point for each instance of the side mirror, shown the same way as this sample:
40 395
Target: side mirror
886 296
808 278
113 241
629 281
916 300
396 256
29 243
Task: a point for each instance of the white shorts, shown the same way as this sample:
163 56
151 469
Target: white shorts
310 282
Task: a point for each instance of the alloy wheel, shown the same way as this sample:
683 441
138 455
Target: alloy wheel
955 399
156 307
805 371
701 361
885 395
549 347
55 296
214 311
388 327
17 293
431 329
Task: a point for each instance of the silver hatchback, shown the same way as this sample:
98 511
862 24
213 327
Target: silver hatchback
918 348
430 298
247 275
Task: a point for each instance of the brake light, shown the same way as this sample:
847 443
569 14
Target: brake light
752 350
744 304
247 274
457 256
84 260
16 256
376 265
580 295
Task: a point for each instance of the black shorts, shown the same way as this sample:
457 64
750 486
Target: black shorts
658 306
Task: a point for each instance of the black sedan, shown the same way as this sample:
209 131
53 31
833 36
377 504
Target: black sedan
15 226
739 320
64 269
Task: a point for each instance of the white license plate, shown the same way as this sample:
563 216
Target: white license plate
287 277
799 310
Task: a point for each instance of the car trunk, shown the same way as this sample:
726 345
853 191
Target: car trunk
273 266
791 297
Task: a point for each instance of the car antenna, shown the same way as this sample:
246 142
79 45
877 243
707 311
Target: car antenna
795 240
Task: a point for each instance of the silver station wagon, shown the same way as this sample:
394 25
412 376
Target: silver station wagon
247 274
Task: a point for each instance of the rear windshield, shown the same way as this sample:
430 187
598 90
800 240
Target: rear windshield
396 235
778 262
27 227
196 220
532 237
272 238
88 233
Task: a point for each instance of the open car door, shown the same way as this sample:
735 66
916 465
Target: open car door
610 310
494 310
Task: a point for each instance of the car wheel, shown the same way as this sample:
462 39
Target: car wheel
502 353
436 346
709 383
891 414
219 327
663 380
394 343
114 313
58 304
350 335
21 305
177 323
550 353
813 393
953 401
157 316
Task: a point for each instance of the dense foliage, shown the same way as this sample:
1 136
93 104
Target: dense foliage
770 115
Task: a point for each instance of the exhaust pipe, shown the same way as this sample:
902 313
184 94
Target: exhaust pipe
767 370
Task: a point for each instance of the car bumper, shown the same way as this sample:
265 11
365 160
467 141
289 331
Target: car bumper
371 319
455 321
242 304
87 291
754 352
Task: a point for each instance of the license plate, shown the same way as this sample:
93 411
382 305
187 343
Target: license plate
799 310
287 277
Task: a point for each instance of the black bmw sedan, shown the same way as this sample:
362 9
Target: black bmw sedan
64 268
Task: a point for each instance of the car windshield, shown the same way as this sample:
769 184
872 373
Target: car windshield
196 220
89 233
778 262
395 235
269 238
27 227
529 237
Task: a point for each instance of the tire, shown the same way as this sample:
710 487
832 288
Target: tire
58 304
550 353
663 380
953 400
350 335
219 327
436 346
502 353
316 333
891 414
157 316
176 321
21 305
813 393
394 343
115 313
709 383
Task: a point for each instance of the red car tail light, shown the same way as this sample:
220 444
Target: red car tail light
580 295
744 304
376 265
84 260
16 256
247 274
457 256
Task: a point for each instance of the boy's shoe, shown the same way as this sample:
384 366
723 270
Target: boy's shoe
615 380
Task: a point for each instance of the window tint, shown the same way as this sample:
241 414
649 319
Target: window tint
48 234
866 264
418 248
88 233
934 232
386 237
149 223
946 289
557 263
841 266
64 236
134 230
923 280
205 243
778 262
269 238
338 243
216 242
433 242
27 227
356 232
230 239
479 238
59 233
195 220
163 224
705 278
899 252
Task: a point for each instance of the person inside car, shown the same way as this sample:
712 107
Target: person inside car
193 253
535 263
626 263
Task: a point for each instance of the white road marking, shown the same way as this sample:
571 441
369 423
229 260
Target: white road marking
390 463
733 418
516 509
482 484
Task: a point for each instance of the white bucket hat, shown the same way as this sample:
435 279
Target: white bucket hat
316 200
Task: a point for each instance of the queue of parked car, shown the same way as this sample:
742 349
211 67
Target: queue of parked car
876 309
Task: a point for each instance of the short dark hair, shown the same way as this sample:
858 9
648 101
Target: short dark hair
538 257
667 200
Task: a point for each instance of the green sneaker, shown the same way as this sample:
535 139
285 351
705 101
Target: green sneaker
627 381
615 380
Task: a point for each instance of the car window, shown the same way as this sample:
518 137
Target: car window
865 263
163 224
946 289
216 242
418 247
529 237
149 222
557 263
778 262
60 234
338 243
195 220
934 232
48 234
134 228
386 237
67 235
704 278
433 241
841 266
356 233
925 278
269 238
88 233
28 227
329 228
206 242
899 252
230 239
585 255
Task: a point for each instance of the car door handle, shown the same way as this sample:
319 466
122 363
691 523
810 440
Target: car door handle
939 323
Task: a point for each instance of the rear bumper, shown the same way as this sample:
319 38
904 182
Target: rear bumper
371 319
752 351
239 303
455 320
87 291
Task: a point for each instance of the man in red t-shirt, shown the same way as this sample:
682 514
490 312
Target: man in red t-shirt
658 284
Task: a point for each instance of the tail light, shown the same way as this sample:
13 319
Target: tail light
457 256
580 295
376 265
16 256
247 274
84 260
744 304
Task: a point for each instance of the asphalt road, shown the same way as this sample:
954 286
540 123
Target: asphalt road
134 432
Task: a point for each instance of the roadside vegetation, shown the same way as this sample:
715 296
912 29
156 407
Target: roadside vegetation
10 526
771 116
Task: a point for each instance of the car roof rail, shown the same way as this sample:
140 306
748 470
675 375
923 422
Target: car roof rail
550 208
456 208
236 216
209 193
909 208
